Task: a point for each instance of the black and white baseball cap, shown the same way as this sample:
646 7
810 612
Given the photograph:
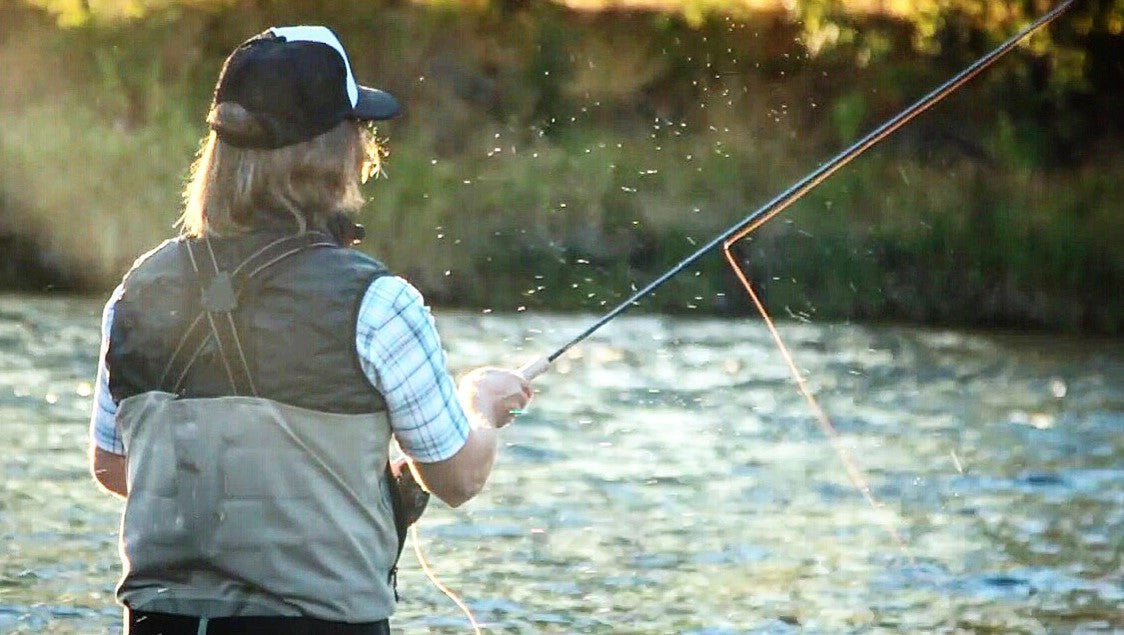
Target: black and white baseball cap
296 81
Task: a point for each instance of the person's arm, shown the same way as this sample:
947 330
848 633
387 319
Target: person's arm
451 439
487 395
459 478
107 452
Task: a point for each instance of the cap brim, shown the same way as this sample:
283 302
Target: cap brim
375 104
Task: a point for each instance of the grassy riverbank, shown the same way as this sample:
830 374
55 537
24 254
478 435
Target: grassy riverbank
551 159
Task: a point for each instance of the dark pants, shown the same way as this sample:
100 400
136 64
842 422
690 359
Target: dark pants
145 623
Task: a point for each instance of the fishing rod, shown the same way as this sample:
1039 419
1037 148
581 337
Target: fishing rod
803 186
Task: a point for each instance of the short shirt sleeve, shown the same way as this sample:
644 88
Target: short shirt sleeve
103 418
400 352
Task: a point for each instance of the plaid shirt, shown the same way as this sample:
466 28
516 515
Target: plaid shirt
400 353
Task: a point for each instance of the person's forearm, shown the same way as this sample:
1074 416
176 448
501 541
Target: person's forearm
488 396
484 441
461 476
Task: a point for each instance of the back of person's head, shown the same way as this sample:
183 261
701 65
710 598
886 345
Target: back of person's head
289 144
234 190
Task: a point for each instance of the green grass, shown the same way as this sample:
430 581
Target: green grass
515 202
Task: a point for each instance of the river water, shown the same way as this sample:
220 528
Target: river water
668 478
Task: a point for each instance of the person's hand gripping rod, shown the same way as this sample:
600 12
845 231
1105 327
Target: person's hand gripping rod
528 372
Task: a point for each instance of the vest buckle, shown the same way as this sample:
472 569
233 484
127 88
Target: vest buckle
218 295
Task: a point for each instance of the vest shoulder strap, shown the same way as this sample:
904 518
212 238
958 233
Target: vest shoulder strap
220 293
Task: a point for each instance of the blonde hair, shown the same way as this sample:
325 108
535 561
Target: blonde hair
233 190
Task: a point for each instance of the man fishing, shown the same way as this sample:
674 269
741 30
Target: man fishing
255 368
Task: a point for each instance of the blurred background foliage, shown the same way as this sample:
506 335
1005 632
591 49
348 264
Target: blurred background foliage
554 155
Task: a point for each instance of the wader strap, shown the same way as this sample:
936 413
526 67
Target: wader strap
220 294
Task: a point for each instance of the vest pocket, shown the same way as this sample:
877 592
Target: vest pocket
157 539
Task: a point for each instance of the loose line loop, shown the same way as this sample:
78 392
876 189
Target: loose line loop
429 573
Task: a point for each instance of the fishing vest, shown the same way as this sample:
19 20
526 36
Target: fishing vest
267 501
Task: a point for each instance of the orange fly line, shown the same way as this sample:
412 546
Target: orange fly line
854 472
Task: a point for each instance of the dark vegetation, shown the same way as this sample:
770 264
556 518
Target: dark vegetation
553 158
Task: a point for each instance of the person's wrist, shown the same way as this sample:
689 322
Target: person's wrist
483 423
480 413
493 415
484 418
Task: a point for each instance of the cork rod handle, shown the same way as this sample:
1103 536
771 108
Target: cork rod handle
535 368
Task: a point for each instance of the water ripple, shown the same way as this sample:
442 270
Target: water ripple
669 479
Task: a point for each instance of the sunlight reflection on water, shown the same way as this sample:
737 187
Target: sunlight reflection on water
672 480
